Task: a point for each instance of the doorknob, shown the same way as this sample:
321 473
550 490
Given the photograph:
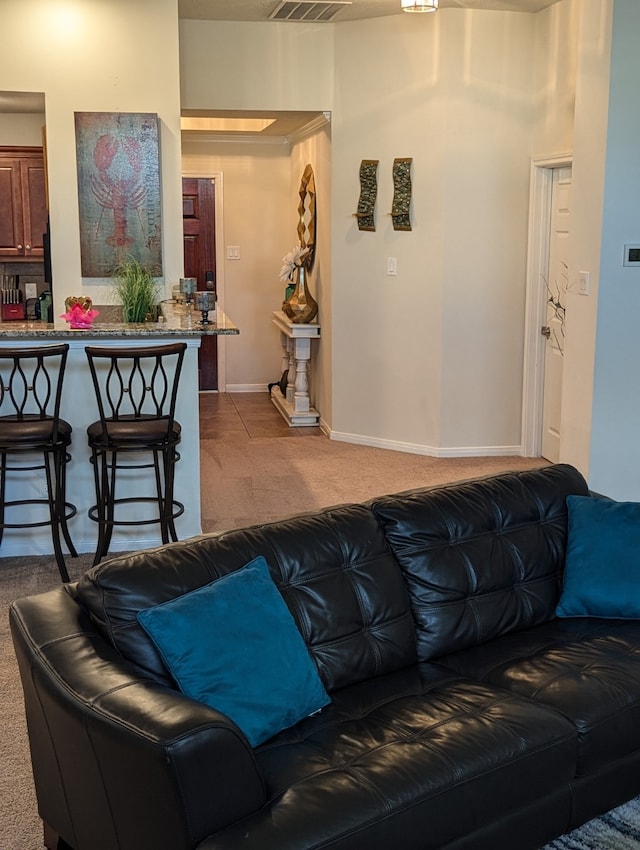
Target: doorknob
545 330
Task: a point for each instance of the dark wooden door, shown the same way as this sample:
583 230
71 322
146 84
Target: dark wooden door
198 217
11 220
34 203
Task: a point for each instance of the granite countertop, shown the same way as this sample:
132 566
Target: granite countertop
175 321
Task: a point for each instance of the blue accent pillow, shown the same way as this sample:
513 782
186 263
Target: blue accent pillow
602 563
234 645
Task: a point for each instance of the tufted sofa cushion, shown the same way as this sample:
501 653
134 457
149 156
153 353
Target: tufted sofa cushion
410 759
334 569
482 559
585 669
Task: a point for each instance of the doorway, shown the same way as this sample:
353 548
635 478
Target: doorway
199 236
547 279
556 280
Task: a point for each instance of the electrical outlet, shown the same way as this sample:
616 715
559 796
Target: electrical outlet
30 290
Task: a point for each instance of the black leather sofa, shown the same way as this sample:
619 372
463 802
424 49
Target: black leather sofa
464 715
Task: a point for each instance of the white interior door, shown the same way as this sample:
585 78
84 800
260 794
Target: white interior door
556 297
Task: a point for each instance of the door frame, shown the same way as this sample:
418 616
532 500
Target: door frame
217 178
540 188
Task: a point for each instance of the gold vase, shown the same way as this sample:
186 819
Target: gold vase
301 307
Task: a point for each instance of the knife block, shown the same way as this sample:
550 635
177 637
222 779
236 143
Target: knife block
12 312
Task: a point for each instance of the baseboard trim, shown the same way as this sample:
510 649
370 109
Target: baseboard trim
417 449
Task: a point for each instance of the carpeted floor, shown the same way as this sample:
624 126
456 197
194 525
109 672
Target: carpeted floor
20 828
617 830
254 468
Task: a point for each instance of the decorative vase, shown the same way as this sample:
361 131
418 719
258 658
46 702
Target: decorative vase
301 307
79 312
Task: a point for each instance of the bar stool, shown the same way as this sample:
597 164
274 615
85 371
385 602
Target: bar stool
136 390
30 392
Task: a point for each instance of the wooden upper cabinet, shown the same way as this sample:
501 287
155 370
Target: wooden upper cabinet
23 203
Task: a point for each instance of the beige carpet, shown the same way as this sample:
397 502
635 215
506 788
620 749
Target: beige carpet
254 468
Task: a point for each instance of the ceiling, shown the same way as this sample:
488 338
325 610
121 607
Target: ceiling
282 125
259 10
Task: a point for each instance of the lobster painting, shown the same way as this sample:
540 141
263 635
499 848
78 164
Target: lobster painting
119 190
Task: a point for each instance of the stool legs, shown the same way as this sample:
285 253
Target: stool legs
104 509
62 504
55 471
165 493
3 476
105 467
54 465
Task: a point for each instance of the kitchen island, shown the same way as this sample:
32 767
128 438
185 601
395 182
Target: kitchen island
79 409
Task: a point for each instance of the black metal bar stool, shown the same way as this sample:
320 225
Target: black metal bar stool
30 392
136 391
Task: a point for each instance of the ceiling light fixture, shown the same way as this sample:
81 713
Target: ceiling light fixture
419 5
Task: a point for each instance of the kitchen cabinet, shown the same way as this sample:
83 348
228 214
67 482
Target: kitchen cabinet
23 203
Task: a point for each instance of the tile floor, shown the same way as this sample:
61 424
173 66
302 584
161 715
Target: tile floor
247 416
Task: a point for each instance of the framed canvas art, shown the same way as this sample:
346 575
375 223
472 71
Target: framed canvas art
118 190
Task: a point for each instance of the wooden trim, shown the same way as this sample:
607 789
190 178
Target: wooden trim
537 256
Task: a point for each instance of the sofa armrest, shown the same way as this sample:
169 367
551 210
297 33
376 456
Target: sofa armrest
119 760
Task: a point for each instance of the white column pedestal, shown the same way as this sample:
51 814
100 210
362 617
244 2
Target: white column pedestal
295 339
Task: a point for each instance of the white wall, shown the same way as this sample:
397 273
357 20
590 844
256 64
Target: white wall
256 66
114 56
389 103
556 45
590 144
257 194
431 360
615 447
264 67
489 113
21 129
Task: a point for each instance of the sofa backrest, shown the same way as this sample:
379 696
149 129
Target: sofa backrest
333 568
481 558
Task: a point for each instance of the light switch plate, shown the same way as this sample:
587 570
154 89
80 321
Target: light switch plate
584 283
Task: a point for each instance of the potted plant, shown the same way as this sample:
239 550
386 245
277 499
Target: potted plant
136 289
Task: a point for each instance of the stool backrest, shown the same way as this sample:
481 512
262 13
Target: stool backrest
138 382
31 381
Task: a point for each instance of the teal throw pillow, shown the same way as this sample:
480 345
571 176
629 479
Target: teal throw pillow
234 645
602 564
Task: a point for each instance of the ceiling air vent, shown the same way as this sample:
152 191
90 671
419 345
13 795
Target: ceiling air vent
307 10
